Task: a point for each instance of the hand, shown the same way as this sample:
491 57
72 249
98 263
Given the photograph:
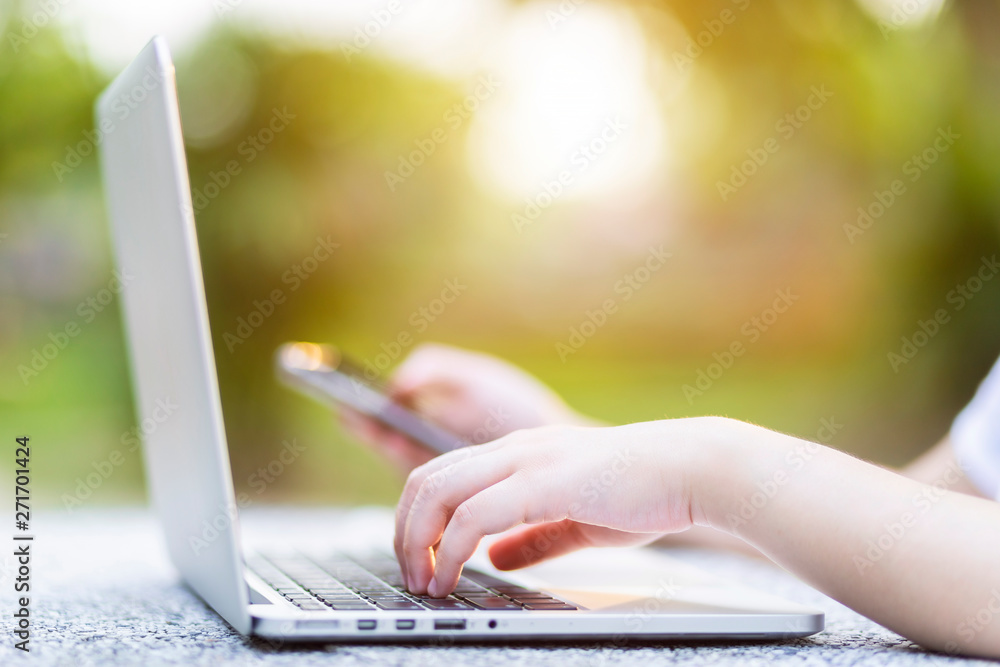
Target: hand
474 395
580 486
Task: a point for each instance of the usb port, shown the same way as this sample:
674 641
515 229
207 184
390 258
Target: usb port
367 625
405 625
449 624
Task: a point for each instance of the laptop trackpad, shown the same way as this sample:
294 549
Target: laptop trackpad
643 580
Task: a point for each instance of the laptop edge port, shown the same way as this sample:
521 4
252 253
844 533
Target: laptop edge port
367 625
405 624
449 624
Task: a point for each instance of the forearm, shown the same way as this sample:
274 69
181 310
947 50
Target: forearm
920 560
940 467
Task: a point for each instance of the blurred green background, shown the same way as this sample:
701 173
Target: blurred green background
896 75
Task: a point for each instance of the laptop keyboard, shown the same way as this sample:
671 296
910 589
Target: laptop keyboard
370 584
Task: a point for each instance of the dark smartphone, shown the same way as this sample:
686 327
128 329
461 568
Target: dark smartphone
322 372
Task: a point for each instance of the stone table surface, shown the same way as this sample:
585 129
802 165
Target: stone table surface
104 593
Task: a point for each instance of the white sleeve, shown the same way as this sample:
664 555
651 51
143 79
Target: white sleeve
975 436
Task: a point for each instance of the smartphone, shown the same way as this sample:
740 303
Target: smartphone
321 372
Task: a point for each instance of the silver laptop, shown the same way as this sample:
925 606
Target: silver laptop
325 596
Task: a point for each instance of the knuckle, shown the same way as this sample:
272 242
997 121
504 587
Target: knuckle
427 492
465 515
415 481
418 474
435 481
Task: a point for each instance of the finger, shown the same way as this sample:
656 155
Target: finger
412 486
434 399
437 463
362 427
434 504
494 510
535 544
430 364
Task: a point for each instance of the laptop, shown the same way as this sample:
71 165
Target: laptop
328 596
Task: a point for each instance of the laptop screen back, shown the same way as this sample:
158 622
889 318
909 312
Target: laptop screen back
166 320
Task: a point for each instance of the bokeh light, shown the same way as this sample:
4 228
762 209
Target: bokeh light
574 97
697 87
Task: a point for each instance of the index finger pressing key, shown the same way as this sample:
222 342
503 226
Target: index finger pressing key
439 494
494 510
413 484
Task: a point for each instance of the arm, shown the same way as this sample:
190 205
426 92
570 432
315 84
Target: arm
939 467
918 559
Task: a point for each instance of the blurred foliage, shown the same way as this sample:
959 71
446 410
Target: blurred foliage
323 175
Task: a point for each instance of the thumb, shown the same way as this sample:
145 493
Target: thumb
538 543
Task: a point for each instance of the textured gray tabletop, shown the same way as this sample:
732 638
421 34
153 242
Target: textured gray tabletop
105 594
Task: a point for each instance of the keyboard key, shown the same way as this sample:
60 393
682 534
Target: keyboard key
386 596
351 606
485 580
513 591
495 604
444 604
398 604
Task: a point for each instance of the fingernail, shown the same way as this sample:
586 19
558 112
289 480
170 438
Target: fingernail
432 588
